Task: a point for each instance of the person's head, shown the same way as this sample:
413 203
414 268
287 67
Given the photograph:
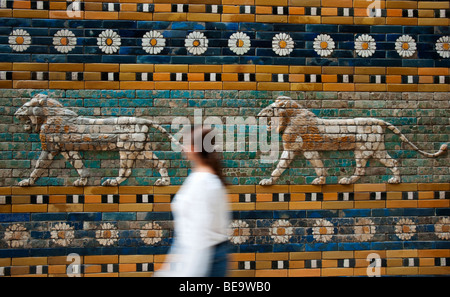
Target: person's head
200 150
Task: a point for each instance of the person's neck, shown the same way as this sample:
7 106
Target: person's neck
202 168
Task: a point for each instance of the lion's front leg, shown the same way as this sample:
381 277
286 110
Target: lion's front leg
44 161
285 160
74 158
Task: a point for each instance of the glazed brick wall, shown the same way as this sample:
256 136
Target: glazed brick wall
289 229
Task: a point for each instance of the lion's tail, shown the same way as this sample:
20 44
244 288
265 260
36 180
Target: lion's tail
403 138
164 131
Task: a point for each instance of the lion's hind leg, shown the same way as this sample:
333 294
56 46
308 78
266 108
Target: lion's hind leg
127 160
361 158
314 158
388 161
161 165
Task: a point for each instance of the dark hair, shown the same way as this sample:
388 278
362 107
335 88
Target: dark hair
208 155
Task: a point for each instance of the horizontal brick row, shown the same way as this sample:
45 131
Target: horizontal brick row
333 263
332 12
222 77
17 200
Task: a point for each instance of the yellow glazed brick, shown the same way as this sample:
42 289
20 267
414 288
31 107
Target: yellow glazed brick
65 207
243 206
242 257
433 253
402 270
305 189
434 270
305 256
337 254
131 207
29 261
101 207
271 205
101 259
401 203
29 190
271 273
29 208
433 203
370 204
305 205
304 272
401 253
337 272
337 204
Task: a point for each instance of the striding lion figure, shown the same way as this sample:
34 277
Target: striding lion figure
304 133
63 131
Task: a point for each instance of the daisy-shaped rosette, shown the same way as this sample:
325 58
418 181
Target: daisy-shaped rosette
239 43
16 235
281 231
405 46
365 45
323 45
405 229
196 43
443 46
151 233
238 232
109 41
19 40
364 229
62 234
153 42
64 41
282 44
323 230
107 235
442 228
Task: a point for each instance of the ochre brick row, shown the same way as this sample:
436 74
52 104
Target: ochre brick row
225 77
292 11
287 264
241 198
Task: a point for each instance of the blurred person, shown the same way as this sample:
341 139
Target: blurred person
201 214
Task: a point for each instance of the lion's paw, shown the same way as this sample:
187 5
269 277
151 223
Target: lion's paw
81 182
266 182
162 182
345 181
111 182
319 181
394 180
26 182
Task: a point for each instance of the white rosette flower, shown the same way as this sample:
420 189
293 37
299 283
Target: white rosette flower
323 45
109 41
239 43
196 43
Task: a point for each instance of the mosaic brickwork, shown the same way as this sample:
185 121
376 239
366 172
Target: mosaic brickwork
219 59
276 231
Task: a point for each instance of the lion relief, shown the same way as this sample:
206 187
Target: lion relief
304 133
63 131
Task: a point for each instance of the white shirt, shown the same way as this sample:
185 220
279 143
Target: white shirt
201 220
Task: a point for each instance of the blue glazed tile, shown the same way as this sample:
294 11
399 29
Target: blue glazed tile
322 28
153 25
290 247
322 213
222 26
84 58
15 57
354 246
56 216
148 59
118 59
119 216
84 216
257 214
255 248
442 211
14 253
114 24
385 29
392 245
315 247
156 216
14 217
418 212
48 252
